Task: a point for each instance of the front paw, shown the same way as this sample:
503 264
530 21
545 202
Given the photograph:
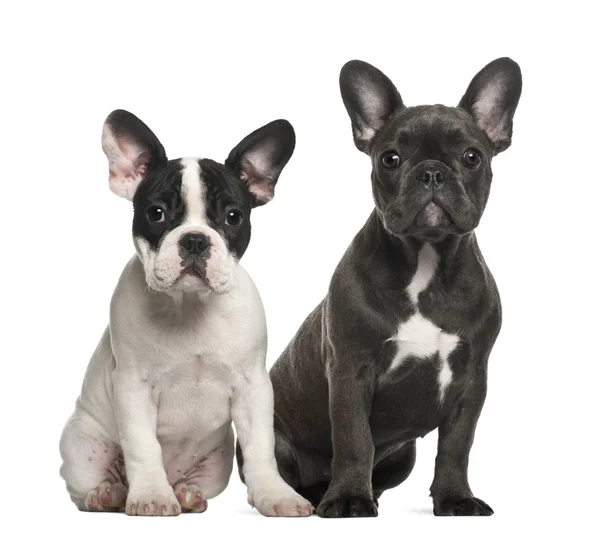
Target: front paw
152 501
347 506
461 507
280 502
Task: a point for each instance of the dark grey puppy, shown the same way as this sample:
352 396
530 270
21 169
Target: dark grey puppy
400 344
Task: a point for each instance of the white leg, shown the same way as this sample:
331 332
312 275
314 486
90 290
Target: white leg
136 413
252 412
92 467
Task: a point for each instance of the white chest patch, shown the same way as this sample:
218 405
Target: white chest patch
419 336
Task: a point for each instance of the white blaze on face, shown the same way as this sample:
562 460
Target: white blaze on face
193 192
419 336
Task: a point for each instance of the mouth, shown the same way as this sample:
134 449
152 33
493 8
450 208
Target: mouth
432 215
196 275
193 266
429 217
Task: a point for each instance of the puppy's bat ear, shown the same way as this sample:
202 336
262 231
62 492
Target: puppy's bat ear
492 98
132 150
260 157
370 99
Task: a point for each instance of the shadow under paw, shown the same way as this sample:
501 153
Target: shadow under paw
462 507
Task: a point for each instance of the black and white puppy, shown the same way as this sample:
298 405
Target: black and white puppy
400 344
184 353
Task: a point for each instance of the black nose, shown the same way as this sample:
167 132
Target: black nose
194 243
432 175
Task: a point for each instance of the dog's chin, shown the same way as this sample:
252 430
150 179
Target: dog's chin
190 281
197 281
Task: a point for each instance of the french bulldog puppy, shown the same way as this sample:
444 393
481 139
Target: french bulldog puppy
184 352
400 344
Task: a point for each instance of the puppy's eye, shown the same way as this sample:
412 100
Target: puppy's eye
234 217
155 214
390 159
471 158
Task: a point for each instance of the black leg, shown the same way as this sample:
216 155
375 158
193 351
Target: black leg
287 461
240 461
450 489
394 470
351 386
314 494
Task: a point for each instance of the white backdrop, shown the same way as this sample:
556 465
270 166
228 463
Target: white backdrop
203 75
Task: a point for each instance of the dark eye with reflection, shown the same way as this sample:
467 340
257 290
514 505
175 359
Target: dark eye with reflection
390 159
234 217
155 214
471 158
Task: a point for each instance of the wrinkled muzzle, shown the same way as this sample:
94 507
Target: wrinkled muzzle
189 258
430 197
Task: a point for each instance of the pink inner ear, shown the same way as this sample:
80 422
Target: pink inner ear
263 192
127 163
141 164
261 188
486 110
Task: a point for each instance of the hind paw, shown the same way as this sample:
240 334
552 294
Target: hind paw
190 498
106 496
